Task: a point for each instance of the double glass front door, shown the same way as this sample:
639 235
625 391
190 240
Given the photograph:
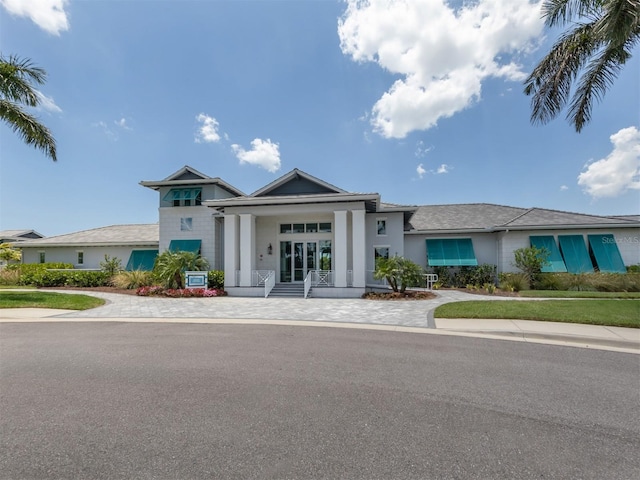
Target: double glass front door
297 258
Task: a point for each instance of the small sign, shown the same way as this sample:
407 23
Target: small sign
196 279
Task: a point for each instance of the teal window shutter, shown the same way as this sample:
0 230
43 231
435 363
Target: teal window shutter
605 251
556 263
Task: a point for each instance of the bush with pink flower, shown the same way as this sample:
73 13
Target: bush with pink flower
156 291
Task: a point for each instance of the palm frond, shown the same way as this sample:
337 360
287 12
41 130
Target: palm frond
28 128
16 79
599 76
550 82
560 12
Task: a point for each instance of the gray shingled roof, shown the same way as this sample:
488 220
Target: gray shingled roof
541 216
145 234
486 216
462 216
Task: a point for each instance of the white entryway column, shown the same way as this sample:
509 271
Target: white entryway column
230 250
340 248
247 248
358 250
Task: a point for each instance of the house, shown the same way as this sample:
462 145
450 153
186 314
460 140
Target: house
12 236
135 245
304 232
300 227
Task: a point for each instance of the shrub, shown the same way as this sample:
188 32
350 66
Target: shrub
633 268
9 277
132 280
216 279
445 276
531 260
32 273
72 278
549 281
399 272
170 267
157 291
111 265
513 282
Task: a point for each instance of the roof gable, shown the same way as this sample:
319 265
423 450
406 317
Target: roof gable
297 182
186 173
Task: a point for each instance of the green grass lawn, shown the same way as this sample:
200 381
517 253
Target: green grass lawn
37 299
577 294
619 313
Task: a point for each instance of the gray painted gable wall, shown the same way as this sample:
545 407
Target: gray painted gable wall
297 186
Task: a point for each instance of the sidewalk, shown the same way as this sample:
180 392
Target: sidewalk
409 316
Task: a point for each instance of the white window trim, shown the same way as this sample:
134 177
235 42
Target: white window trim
381 219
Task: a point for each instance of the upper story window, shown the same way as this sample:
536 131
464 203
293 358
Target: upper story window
323 227
381 226
184 197
186 224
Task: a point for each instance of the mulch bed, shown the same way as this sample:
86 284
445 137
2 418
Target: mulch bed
408 295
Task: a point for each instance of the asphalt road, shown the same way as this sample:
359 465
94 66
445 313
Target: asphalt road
118 400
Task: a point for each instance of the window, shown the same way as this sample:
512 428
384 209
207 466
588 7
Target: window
42 259
380 252
186 224
80 258
184 197
381 224
324 227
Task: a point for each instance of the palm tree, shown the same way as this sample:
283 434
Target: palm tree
599 42
17 79
170 266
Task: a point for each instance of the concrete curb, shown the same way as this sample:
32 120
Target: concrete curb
617 345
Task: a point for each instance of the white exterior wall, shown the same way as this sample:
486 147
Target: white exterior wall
203 228
627 239
92 255
394 239
484 247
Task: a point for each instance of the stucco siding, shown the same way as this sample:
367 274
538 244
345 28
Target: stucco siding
394 237
92 255
484 247
202 228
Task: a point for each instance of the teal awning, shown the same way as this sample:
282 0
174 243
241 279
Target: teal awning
142 260
575 254
451 252
605 250
556 263
185 246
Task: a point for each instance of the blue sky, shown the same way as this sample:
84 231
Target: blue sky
421 103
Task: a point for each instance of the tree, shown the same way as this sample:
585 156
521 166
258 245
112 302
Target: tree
170 266
531 260
596 46
399 272
9 254
17 79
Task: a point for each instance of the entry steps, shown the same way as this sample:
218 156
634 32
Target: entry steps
288 290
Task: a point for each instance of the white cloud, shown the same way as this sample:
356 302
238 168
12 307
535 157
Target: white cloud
421 171
444 168
122 123
47 103
563 188
47 14
421 150
619 171
263 153
110 134
208 131
442 53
